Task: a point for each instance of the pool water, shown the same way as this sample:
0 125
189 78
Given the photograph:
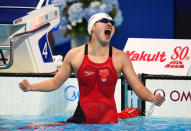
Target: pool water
135 124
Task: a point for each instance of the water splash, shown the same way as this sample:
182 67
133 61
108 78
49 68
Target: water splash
151 109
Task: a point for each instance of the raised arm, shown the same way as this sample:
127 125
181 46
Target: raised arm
53 83
136 84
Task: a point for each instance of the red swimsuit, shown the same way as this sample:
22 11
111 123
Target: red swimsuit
97 86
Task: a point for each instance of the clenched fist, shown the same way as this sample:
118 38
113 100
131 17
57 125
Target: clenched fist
158 99
24 85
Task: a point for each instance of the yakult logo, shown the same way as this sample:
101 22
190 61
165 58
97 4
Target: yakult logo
179 55
143 56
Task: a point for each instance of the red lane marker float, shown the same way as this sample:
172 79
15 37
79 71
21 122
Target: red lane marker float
45 125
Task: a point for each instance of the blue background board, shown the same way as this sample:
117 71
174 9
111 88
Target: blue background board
19 3
7 16
145 19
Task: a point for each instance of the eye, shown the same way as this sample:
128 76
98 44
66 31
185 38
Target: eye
104 20
112 22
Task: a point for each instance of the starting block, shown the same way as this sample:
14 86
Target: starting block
24 26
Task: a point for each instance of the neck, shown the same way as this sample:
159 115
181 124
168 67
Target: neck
98 40
98 49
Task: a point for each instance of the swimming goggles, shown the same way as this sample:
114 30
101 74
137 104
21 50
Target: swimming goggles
104 20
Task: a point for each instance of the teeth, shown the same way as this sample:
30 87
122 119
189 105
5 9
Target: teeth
108 31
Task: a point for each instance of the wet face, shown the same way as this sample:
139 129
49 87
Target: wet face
104 30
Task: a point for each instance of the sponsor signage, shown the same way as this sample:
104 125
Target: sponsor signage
177 94
160 56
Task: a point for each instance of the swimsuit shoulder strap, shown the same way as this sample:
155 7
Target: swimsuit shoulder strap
110 51
86 50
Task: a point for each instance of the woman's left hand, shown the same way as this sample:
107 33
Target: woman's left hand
158 99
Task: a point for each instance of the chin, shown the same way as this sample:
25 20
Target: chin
105 43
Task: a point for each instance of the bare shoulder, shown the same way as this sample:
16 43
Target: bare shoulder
119 54
74 52
75 57
120 60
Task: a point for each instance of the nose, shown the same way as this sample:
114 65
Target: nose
109 23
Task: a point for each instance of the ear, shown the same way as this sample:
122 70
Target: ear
114 30
93 28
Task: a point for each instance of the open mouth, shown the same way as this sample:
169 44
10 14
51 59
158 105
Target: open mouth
107 33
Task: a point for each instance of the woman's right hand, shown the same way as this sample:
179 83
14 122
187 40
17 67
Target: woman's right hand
24 85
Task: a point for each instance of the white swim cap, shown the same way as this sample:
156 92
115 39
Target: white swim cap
94 18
